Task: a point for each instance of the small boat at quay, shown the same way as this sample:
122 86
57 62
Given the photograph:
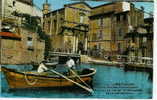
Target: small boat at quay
18 79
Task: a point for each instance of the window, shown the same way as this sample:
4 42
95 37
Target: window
98 46
118 18
100 37
101 23
124 17
49 25
94 37
144 40
14 3
82 16
55 25
120 32
29 43
119 47
81 19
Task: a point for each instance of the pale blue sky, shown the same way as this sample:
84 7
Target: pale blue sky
56 4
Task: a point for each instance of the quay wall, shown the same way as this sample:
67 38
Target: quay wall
30 49
85 58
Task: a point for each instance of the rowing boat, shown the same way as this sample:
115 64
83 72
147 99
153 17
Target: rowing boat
18 79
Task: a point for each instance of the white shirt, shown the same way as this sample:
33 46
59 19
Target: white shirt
42 68
70 63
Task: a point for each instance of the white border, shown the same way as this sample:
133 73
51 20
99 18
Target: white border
155 53
154 70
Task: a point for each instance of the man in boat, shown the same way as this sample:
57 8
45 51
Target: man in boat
70 64
42 67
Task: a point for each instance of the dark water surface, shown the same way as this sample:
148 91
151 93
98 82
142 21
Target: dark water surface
109 82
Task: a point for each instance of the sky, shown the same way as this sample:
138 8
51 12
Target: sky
57 4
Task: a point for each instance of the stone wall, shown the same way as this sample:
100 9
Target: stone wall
10 51
33 47
20 52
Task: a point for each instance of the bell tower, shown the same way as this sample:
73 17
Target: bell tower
46 7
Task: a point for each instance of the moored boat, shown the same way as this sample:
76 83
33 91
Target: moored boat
18 79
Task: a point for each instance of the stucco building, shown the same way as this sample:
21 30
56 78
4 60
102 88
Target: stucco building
14 16
109 24
68 27
8 7
141 40
99 30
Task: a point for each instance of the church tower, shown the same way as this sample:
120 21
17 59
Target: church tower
46 7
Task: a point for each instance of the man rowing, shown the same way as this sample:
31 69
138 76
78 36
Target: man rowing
70 64
42 67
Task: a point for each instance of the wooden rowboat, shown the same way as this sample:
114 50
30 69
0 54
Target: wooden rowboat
17 79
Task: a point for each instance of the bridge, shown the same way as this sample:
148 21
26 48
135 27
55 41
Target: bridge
62 56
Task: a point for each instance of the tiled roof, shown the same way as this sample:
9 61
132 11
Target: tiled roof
9 35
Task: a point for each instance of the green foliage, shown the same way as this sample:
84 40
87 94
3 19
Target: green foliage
33 23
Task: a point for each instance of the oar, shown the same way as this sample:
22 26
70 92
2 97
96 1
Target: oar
79 78
82 86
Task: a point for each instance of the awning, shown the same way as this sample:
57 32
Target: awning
10 35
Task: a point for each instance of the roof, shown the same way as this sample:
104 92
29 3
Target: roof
110 3
149 19
9 35
29 2
54 11
100 14
78 3
69 5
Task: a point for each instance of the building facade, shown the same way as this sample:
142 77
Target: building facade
97 30
141 40
33 47
149 22
8 7
68 27
109 24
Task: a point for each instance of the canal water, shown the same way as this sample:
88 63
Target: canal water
108 83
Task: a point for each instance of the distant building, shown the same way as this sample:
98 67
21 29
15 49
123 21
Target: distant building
141 40
109 24
149 22
137 42
99 30
68 27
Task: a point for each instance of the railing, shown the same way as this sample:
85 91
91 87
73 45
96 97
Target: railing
63 54
136 59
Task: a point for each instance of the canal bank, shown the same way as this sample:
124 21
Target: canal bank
126 65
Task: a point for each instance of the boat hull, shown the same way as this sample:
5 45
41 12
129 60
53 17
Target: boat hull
23 80
139 67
